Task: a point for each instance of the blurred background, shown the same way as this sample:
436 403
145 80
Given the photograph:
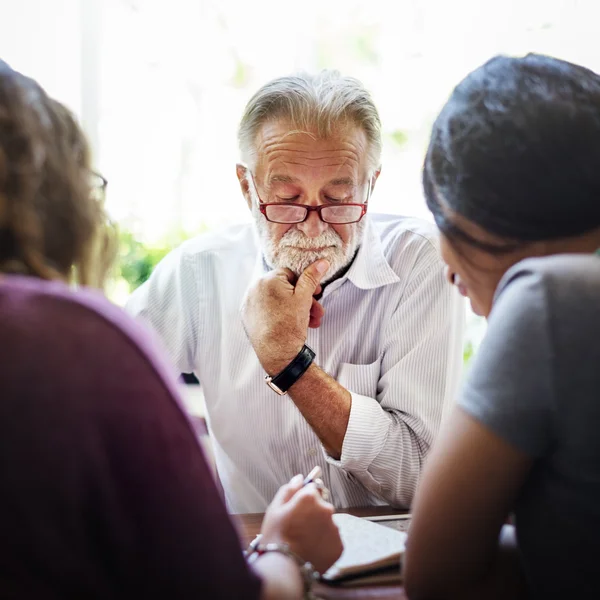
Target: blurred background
160 87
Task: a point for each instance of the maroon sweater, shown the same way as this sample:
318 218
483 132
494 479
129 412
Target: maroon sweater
105 492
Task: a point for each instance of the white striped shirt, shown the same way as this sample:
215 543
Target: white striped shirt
391 335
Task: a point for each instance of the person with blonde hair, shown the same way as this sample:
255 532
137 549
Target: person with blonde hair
320 333
105 491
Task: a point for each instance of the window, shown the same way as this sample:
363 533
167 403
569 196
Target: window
160 86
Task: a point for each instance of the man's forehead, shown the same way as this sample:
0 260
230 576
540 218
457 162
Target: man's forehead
282 133
285 155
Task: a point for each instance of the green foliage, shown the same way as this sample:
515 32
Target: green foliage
347 47
241 74
137 259
365 46
468 352
399 137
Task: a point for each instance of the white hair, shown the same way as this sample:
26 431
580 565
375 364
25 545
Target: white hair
314 104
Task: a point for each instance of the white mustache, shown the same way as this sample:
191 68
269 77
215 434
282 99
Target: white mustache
299 240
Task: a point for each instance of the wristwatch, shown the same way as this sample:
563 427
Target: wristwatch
307 571
283 381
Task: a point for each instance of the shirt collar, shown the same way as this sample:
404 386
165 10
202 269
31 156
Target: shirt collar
370 268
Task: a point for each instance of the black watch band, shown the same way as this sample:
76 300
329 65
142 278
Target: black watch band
283 381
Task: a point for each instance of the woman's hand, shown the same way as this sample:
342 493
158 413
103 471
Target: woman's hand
299 517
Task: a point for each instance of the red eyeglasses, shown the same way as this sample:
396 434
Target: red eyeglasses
335 214
338 214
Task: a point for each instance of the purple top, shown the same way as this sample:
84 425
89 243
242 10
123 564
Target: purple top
105 491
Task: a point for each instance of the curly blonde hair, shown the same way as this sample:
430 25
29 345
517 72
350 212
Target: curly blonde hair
52 225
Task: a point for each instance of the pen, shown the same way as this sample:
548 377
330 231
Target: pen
314 474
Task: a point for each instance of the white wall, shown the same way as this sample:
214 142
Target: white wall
57 43
42 39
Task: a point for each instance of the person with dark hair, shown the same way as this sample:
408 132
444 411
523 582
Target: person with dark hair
105 490
512 177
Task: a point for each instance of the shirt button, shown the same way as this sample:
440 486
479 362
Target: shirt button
312 451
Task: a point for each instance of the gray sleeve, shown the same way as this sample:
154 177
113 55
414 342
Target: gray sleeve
510 387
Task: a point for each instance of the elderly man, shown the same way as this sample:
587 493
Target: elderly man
320 336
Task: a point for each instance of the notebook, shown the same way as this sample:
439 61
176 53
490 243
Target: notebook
371 552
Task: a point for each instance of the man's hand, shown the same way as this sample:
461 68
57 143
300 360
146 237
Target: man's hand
278 311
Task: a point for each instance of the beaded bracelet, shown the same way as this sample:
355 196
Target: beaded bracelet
308 572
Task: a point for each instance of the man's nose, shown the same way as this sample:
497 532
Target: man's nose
313 226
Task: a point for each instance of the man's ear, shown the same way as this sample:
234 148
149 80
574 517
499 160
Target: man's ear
375 178
242 175
373 181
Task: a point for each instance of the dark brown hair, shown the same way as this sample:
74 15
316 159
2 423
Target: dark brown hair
52 225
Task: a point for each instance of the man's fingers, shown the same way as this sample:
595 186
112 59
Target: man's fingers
282 274
310 279
314 323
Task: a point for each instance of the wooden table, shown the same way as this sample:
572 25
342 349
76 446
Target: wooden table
250 526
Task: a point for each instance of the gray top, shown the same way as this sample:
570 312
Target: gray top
536 384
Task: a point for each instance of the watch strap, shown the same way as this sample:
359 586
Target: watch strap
284 380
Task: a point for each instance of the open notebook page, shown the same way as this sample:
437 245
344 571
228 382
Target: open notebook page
367 546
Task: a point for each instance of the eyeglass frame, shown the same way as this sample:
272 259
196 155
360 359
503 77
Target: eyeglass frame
262 207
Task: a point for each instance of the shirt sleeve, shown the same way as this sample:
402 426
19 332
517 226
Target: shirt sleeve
509 388
388 435
169 303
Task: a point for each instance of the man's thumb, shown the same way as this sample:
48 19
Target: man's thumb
311 277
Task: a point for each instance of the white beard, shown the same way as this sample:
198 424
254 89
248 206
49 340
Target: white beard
294 250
